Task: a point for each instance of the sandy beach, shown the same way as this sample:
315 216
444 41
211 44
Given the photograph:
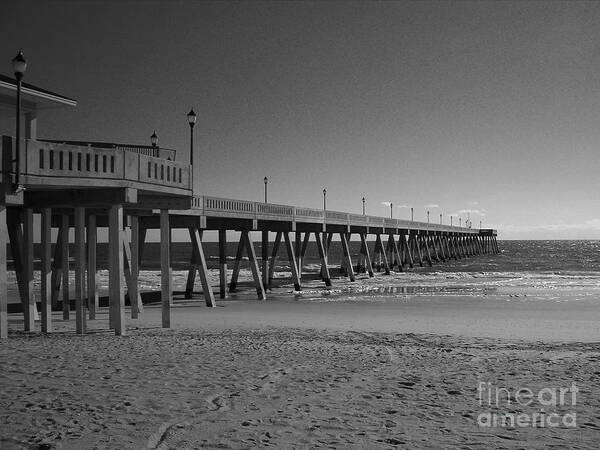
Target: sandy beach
303 372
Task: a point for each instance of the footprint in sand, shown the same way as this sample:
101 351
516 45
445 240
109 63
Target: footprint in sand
217 403
272 378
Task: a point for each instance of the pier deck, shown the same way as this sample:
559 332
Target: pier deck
130 189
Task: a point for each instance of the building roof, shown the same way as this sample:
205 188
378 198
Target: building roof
33 96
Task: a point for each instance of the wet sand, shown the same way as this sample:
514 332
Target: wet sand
303 372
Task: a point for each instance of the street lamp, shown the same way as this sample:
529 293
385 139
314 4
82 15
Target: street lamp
363 200
19 66
427 217
451 217
391 210
480 224
266 180
324 199
154 139
460 221
192 121
440 219
412 216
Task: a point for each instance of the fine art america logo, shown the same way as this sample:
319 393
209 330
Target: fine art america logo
552 407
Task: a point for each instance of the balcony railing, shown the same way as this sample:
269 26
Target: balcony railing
148 150
53 160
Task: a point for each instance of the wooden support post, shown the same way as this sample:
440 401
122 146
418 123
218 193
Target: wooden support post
298 250
274 251
132 281
303 254
115 270
381 251
434 247
425 244
260 290
292 259
344 261
3 275
30 311
389 252
408 251
448 247
194 261
323 257
45 268
403 257
457 254
264 258
346 251
417 245
15 234
137 307
365 245
236 264
79 222
64 254
442 249
222 264
92 289
165 268
56 269
395 252
209 296
360 263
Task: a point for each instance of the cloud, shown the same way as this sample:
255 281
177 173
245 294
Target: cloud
592 224
386 203
432 205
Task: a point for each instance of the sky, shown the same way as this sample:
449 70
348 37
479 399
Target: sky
447 106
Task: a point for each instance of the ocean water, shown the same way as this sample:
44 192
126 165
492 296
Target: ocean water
552 270
524 270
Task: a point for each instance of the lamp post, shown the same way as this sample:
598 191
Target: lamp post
440 219
480 224
451 217
192 121
19 66
266 181
460 221
363 201
324 200
391 210
154 139
412 216
427 217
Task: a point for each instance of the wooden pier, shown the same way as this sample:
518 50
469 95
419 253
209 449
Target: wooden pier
77 188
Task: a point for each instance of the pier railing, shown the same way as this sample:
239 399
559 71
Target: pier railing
148 150
225 207
51 163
